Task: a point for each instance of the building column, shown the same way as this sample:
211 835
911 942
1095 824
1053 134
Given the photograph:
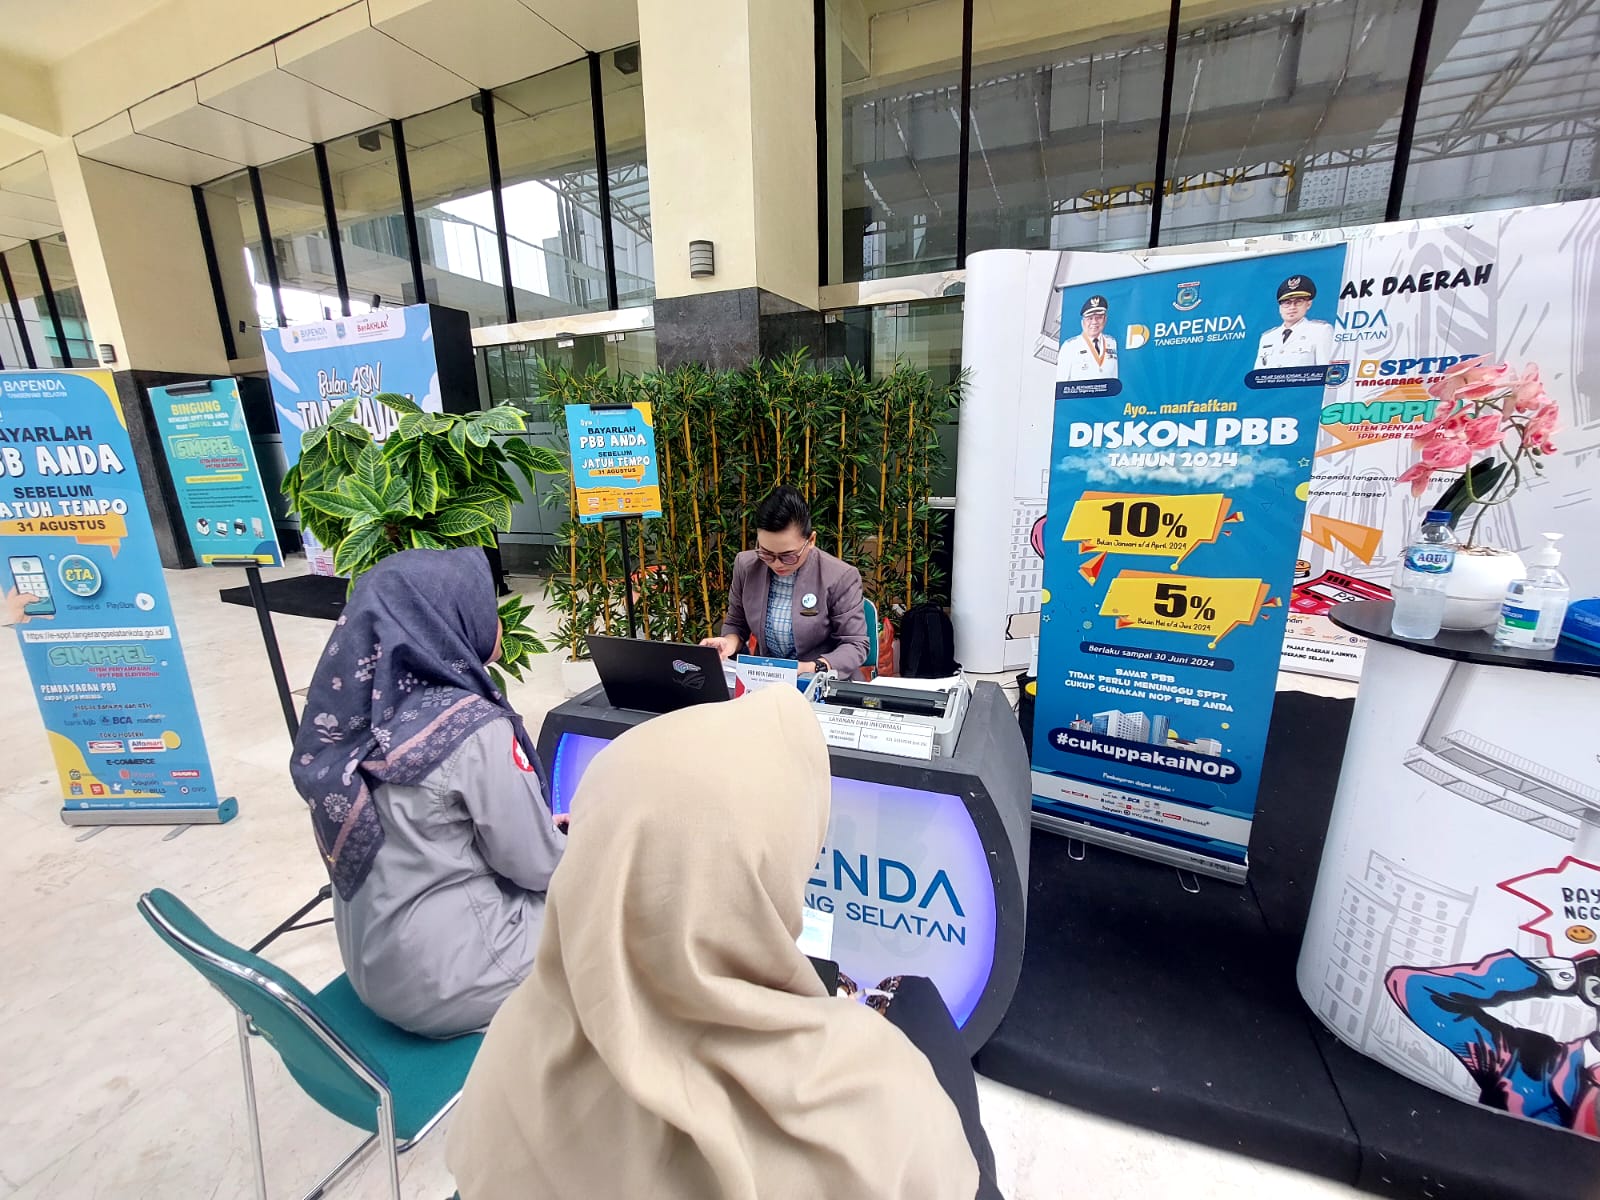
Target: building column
729 107
141 268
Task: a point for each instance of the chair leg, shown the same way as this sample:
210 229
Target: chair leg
327 1180
252 1118
386 1138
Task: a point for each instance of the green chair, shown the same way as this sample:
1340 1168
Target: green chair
872 634
360 1068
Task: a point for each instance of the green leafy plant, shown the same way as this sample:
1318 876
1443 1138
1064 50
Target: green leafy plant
437 482
863 451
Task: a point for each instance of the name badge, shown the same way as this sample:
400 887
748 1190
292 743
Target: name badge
809 600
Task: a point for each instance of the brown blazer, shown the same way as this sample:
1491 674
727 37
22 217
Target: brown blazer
835 627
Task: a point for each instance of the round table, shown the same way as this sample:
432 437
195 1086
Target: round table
1454 932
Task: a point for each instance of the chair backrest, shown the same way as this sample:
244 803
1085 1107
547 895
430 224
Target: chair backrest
329 1063
872 632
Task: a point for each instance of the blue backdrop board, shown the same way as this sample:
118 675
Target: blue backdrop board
613 461
99 639
1177 490
213 467
315 368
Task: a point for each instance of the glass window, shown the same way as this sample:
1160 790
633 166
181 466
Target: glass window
69 305
372 226
235 232
307 284
544 132
893 104
1063 140
1284 119
457 235
35 313
622 89
11 353
925 334
1506 115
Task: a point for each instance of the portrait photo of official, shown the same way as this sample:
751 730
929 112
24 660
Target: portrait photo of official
1298 341
1092 354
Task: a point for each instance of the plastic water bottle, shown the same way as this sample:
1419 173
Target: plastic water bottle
1419 583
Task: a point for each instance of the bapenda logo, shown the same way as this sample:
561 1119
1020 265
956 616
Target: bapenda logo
1136 336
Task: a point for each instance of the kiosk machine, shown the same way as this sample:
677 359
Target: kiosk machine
924 870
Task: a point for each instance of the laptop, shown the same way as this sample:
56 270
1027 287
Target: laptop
657 677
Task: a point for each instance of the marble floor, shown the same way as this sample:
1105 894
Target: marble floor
119 1073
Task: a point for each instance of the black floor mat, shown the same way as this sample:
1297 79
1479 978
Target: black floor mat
1178 1011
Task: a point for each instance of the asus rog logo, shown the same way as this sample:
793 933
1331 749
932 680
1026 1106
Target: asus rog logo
688 674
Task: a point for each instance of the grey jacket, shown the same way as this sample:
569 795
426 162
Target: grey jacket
834 627
448 920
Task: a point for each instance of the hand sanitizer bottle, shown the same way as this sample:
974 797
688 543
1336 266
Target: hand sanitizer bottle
1535 607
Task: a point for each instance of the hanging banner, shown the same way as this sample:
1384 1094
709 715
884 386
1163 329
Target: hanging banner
1176 491
85 591
317 367
213 467
613 461
1415 297
1513 286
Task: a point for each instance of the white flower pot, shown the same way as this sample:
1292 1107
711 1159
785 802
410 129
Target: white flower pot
1476 587
579 675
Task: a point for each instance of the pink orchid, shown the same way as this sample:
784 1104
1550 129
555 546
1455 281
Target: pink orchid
1487 373
1529 393
1484 431
1477 393
1446 454
1417 476
1440 416
1541 426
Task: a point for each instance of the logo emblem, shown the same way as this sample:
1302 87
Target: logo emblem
1338 372
1188 296
809 600
689 675
1136 336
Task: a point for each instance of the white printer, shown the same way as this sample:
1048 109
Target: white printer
908 718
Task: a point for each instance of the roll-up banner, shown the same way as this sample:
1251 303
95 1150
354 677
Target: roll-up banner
85 592
1179 468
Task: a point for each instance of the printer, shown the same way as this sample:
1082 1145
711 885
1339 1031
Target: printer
908 718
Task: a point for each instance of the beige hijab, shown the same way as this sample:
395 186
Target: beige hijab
672 1042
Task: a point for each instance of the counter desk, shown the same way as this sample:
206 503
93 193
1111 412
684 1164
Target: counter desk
1454 933
925 866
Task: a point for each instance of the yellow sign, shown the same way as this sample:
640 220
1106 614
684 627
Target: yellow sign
107 529
1138 523
1205 607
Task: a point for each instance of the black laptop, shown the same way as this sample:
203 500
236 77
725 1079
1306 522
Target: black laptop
657 677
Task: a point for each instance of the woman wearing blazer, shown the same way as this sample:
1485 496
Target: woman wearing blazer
799 601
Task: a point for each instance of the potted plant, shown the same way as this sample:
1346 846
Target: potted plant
1483 409
439 481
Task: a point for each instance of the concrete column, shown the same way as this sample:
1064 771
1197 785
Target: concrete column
730 125
141 270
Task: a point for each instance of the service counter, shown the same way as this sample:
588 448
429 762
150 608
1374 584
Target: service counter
925 866
1455 925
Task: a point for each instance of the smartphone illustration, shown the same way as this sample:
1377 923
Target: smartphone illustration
27 573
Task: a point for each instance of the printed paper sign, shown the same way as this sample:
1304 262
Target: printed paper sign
613 461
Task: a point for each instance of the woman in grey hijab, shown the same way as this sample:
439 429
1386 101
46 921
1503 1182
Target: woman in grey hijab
426 796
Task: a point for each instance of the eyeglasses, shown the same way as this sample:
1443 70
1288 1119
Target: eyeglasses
788 558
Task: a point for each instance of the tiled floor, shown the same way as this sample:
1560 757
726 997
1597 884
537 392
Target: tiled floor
119 1075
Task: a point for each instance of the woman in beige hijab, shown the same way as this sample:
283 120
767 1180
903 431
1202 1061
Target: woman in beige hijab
672 1042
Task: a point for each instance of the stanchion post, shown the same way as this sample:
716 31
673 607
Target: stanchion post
627 575
258 598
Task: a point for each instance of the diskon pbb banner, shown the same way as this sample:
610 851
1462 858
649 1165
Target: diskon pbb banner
1176 494
85 591
1517 287
316 368
214 471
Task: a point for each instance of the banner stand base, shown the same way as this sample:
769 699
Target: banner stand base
1183 860
220 815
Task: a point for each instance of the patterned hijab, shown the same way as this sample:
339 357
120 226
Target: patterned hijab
401 683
